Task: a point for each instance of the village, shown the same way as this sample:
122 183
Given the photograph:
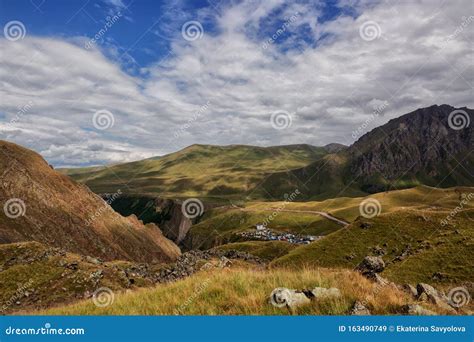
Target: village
262 233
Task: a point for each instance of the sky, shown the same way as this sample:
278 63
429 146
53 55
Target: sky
94 82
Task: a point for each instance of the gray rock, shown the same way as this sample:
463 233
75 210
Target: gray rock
432 295
371 265
283 297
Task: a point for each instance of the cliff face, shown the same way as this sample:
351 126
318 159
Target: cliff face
431 146
40 204
420 143
165 212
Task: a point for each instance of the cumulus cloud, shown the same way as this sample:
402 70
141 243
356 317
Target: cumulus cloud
329 76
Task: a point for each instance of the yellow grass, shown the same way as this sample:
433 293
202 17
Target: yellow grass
244 291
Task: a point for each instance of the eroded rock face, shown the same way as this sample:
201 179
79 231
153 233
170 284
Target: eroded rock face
165 212
418 141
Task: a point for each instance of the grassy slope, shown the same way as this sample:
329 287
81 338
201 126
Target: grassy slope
199 170
447 250
320 180
265 250
42 271
220 225
245 292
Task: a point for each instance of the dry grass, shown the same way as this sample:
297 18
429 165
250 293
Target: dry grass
243 291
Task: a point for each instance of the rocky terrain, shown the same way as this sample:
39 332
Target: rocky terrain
35 276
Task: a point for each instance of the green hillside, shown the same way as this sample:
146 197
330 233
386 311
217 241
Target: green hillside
413 242
221 225
199 170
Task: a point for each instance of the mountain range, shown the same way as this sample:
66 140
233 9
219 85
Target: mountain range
73 232
418 148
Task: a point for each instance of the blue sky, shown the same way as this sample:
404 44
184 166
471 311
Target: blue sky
144 36
107 81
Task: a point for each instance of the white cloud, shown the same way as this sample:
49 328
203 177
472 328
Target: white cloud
330 86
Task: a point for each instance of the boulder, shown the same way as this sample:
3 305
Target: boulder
371 265
290 298
431 293
428 292
379 280
92 260
283 297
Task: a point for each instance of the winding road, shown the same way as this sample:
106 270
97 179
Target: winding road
321 213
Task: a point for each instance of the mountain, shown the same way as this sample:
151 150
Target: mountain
40 204
417 148
200 170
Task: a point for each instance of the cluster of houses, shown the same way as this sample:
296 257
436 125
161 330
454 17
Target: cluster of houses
264 234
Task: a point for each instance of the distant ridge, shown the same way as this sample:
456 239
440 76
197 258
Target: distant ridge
417 148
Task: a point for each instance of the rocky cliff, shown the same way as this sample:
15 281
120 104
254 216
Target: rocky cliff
430 146
151 209
423 146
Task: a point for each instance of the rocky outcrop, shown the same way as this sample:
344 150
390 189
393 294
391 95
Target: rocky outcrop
167 213
420 147
429 293
370 266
